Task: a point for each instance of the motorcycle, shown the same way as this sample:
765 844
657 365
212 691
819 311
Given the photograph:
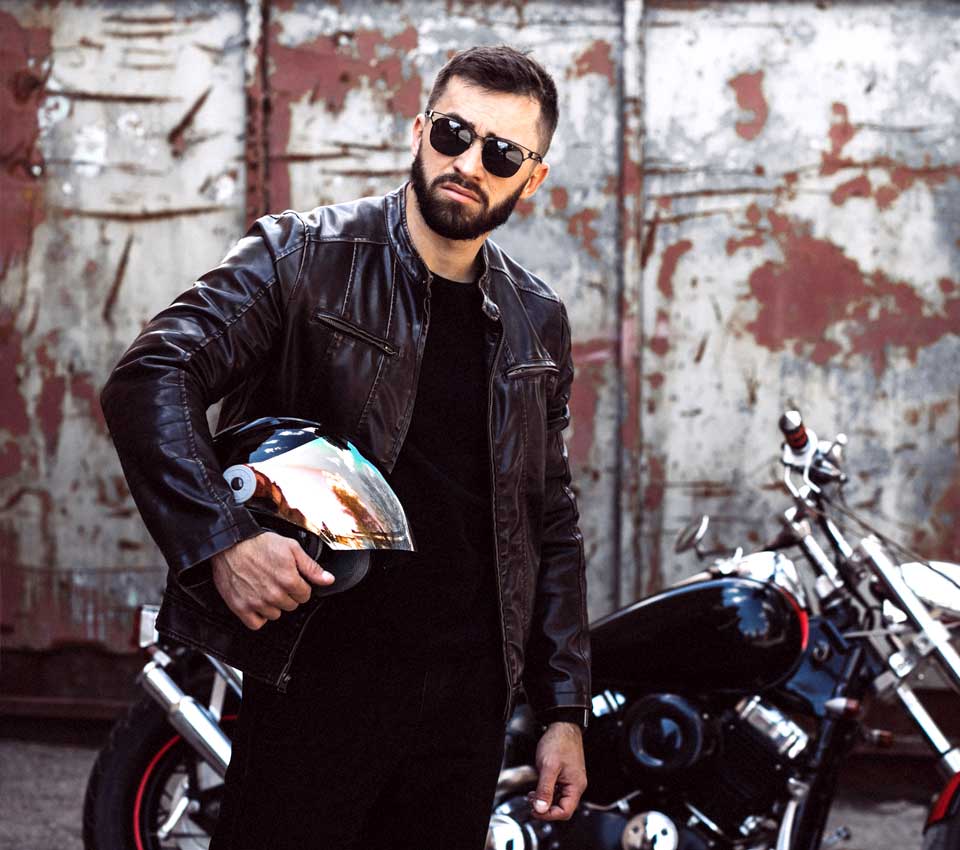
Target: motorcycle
724 706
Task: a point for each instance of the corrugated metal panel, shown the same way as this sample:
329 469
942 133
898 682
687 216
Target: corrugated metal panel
123 179
801 249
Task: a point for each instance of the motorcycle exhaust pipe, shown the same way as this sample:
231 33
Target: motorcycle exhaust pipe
190 718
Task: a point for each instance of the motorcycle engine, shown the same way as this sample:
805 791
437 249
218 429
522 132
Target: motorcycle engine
716 773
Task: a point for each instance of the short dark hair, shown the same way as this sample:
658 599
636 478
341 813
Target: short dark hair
502 68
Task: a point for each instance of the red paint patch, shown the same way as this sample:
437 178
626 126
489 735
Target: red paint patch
946 285
885 196
656 380
83 390
755 239
13 409
656 483
946 523
589 359
25 51
559 198
660 341
671 256
818 289
11 460
328 68
840 133
749 90
581 226
859 187
524 208
596 59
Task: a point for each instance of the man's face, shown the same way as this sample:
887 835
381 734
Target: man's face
458 198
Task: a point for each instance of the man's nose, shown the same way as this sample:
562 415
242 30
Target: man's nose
470 162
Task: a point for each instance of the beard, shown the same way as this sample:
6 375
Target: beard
448 218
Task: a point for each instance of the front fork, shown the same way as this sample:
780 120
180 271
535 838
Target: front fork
933 639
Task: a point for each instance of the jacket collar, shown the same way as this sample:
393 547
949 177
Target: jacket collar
413 264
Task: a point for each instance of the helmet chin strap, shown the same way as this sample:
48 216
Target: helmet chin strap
349 566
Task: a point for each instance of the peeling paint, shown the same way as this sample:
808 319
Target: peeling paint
823 303
596 59
24 69
671 256
749 91
581 226
328 68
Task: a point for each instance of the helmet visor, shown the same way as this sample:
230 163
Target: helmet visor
324 486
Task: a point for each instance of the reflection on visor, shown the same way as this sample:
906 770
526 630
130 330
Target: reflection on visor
334 492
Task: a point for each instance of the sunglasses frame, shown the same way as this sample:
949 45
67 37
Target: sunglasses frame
528 154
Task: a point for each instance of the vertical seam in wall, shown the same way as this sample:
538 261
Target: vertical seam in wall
618 476
265 106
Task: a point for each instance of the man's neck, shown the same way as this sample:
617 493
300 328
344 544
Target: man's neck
453 259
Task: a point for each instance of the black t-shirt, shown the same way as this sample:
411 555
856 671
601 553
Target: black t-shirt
443 597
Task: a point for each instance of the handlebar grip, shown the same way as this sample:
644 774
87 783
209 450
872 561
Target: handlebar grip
791 424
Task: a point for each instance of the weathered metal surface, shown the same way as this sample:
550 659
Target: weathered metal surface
122 179
802 173
749 205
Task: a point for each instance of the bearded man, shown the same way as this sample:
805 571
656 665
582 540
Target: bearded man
396 323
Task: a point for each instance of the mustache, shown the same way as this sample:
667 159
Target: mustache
461 181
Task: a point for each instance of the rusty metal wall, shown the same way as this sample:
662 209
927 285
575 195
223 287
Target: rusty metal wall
801 247
749 204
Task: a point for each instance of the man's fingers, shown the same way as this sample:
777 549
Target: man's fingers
543 796
309 568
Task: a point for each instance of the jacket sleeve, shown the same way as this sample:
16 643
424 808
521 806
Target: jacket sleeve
190 355
557 669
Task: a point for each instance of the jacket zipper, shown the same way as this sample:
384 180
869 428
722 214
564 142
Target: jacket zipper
531 369
284 679
496 548
351 329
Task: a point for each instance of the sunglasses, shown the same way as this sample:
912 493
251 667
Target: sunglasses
451 137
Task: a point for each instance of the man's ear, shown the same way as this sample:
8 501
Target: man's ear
535 180
416 134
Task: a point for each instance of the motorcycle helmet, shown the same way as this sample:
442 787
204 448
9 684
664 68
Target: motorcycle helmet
317 489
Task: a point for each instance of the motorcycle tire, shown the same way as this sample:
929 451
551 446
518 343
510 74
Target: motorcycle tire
131 783
944 835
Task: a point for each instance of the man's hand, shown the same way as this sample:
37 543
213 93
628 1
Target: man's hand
563 775
261 576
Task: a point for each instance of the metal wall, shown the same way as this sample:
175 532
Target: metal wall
750 204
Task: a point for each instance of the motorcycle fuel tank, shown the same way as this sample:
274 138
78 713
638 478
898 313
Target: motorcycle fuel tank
731 635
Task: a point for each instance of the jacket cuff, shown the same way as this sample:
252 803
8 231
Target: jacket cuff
565 714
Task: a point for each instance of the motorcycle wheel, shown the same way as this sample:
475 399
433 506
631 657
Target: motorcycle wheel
945 835
137 779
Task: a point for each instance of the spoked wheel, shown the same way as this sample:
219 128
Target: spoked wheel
148 789
178 799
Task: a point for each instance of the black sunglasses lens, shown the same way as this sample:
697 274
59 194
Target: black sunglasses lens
450 137
501 158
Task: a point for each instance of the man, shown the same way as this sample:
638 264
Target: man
379 722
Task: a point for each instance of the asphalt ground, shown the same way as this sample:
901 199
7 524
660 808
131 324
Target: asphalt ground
44 767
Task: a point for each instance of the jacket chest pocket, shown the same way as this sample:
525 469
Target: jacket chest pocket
350 362
532 383
342 328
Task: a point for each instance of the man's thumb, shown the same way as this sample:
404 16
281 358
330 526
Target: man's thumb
310 569
544 794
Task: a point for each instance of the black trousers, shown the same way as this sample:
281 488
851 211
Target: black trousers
382 741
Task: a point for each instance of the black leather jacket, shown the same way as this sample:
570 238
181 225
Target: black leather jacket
323 316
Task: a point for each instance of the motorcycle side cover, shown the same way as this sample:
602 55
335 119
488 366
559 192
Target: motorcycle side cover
731 635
